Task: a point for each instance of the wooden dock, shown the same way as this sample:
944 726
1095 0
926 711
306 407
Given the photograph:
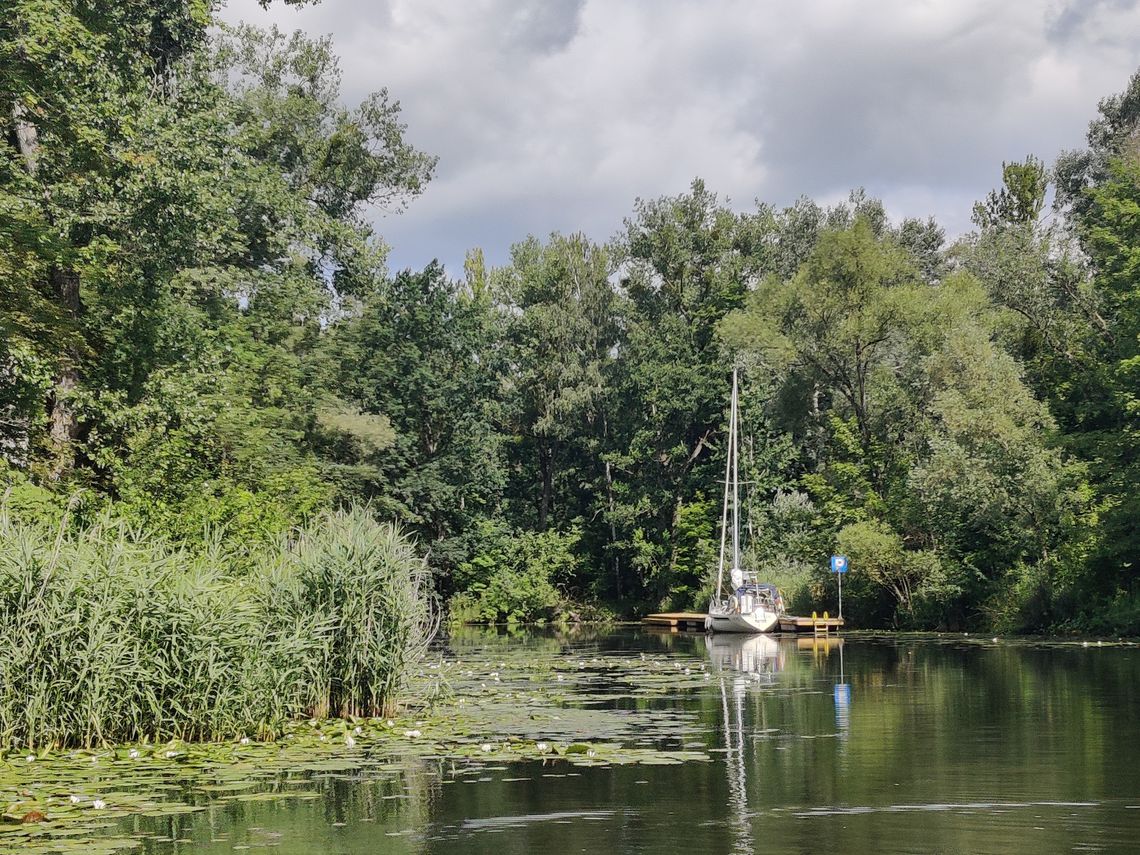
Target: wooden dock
815 625
695 621
677 620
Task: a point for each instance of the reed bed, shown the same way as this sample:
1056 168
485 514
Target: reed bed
109 635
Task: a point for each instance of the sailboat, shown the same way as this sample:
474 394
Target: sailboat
750 605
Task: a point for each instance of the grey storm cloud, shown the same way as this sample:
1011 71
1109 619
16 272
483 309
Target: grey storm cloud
1072 18
554 115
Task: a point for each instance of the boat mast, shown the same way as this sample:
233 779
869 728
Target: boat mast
735 476
727 480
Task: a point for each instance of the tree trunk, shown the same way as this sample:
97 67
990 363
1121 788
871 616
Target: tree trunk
65 284
613 528
64 420
27 138
546 467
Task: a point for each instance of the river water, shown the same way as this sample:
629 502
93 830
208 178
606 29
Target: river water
865 745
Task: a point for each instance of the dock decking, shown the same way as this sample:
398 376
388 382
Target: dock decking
695 621
677 620
814 624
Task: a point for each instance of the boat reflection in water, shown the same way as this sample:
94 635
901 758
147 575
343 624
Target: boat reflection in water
759 656
745 663
741 659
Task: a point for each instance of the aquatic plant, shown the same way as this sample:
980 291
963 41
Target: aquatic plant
110 635
369 592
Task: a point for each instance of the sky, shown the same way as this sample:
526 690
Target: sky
556 115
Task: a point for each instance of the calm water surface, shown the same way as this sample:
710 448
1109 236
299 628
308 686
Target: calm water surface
874 745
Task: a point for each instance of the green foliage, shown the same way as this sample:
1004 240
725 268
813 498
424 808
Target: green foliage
420 354
109 635
1020 199
692 555
560 328
368 596
197 329
515 576
930 455
916 579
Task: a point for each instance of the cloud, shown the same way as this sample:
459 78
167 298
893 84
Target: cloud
556 114
1075 17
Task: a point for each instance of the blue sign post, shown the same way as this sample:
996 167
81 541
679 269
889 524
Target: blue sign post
839 567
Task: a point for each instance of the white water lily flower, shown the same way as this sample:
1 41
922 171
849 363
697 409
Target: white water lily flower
541 747
98 804
390 723
411 733
560 678
31 758
486 747
76 799
349 741
358 730
244 740
133 754
590 752
322 737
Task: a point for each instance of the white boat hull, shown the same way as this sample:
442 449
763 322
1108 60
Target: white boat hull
756 621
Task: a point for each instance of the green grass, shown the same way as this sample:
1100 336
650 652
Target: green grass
110 635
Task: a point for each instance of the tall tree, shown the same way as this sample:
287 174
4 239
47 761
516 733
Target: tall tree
561 331
684 269
423 353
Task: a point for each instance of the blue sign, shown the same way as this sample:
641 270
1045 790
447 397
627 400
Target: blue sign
838 563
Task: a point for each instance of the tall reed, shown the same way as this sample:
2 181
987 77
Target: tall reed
108 635
369 591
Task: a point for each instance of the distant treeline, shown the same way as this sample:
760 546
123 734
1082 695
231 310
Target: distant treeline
199 334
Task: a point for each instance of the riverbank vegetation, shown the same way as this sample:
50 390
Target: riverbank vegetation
199 339
108 636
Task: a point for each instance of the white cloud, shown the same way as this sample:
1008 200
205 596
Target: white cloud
554 115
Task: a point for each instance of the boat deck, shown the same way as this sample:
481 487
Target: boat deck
695 621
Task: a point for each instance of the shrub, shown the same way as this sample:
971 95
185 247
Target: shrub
916 580
513 577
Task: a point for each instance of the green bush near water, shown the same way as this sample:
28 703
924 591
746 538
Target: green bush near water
516 577
108 635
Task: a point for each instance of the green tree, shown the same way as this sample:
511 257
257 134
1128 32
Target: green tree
207 204
422 353
929 438
561 329
684 269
